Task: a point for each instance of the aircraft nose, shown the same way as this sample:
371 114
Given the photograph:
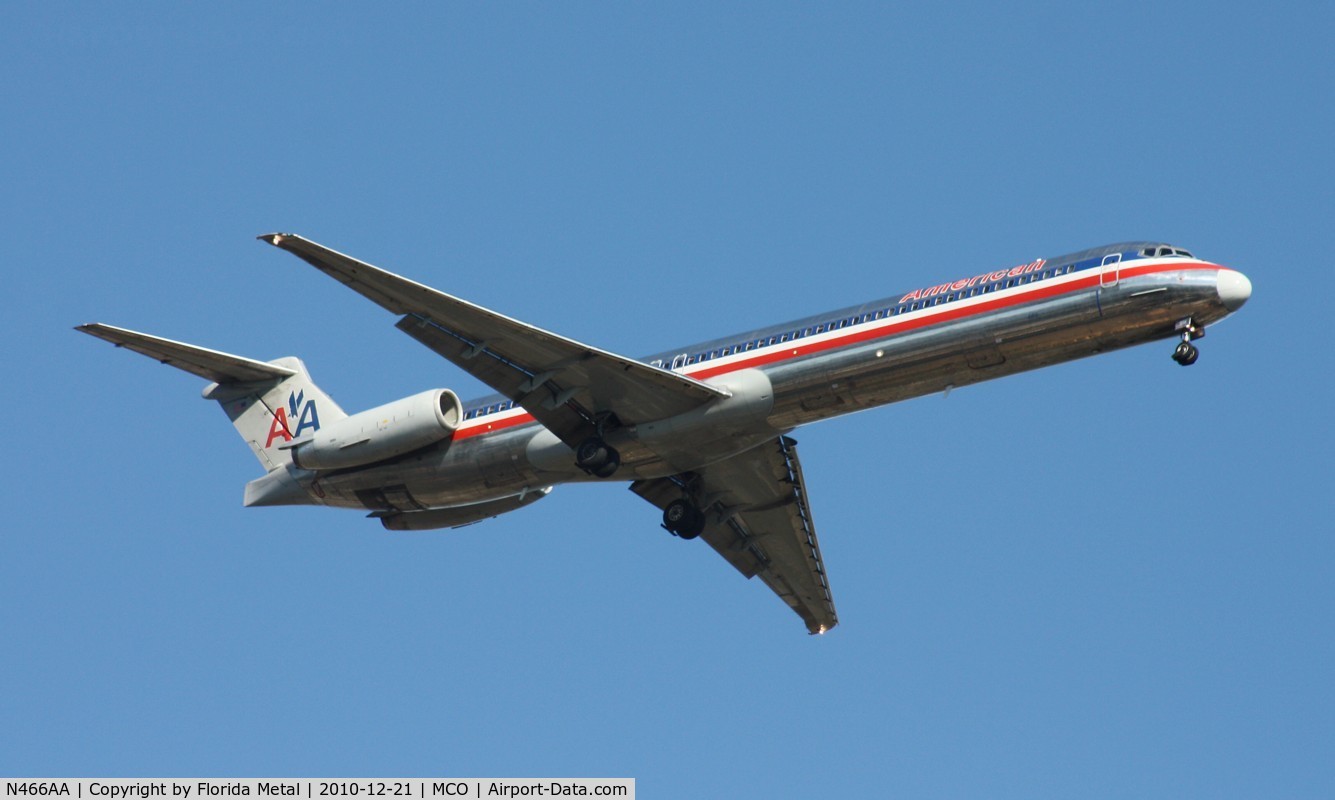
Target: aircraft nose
1233 288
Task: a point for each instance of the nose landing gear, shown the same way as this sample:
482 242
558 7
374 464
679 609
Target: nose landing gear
1186 353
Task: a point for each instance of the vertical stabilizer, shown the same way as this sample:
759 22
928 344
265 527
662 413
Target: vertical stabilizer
276 412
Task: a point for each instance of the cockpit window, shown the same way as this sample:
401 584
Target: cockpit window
1166 251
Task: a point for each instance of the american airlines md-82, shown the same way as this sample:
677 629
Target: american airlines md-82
700 431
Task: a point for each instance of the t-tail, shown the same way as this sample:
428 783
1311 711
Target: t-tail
270 403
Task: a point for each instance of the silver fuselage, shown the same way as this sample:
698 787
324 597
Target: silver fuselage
849 360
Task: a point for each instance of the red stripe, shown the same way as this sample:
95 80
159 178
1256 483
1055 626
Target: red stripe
947 314
492 427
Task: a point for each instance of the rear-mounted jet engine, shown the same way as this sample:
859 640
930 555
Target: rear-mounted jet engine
380 433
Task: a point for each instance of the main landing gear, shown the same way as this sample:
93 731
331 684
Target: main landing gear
682 518
1186 353
597 457
594 455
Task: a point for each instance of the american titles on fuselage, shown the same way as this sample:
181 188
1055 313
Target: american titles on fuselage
965 283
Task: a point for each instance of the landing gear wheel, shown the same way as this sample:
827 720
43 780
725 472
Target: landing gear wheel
597 458
1186 354
682 518
591 453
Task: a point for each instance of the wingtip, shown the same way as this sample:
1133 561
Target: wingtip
98 330
275 239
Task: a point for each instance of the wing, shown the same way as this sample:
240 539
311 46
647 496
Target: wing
757 517
208 364
566 385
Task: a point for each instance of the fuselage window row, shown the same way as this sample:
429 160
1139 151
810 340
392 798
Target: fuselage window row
891 311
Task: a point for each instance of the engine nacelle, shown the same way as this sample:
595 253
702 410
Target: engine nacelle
380 433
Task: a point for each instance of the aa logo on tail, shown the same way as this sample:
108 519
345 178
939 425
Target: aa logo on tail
305 415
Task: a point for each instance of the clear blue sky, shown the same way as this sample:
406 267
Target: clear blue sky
1110 578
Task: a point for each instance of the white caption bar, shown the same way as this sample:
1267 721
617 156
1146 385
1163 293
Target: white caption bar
312 788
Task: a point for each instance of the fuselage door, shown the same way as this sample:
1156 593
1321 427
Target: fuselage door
1111 270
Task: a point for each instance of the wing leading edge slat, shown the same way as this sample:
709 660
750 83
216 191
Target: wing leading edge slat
563 383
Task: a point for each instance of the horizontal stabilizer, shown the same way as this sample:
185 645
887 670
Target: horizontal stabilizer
209 364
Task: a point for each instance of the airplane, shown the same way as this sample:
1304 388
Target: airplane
702 431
